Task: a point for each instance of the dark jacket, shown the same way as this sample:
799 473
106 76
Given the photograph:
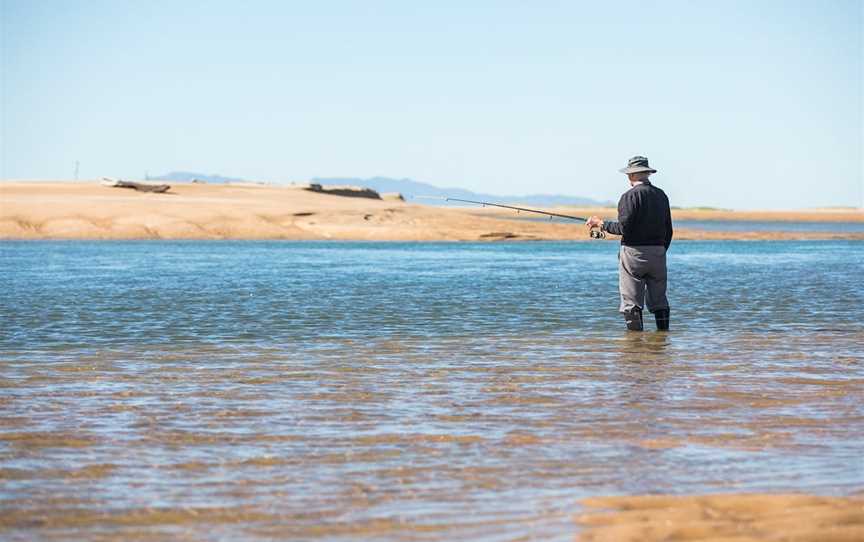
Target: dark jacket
644 217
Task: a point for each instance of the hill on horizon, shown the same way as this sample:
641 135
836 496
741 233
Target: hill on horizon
409 188
412 189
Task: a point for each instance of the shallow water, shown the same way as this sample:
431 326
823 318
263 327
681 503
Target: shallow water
803 226
343 391
772 226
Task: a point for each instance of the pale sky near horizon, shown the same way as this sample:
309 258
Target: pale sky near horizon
741 104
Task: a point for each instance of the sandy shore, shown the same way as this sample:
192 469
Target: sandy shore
88 210
742 518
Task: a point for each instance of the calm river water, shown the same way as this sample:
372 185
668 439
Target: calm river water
344 391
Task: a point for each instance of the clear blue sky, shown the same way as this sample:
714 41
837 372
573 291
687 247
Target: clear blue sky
738 103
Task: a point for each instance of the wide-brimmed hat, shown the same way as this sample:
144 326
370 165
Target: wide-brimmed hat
637 164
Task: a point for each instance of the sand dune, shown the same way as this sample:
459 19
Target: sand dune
87 210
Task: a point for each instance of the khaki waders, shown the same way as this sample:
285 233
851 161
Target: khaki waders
642 281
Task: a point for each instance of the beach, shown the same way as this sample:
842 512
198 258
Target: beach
89 210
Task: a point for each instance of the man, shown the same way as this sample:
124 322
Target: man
645 226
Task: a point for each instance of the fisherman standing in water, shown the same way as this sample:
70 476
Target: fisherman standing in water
645 226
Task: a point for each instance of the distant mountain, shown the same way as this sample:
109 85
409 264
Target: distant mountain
189 176
411 189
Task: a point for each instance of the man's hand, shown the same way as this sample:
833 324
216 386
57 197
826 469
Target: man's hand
594 221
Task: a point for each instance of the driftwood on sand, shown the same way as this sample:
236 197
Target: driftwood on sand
141 187
344 190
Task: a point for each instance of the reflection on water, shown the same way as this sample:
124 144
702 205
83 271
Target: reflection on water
403 391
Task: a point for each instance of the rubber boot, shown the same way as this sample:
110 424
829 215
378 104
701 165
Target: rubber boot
662 317
633 317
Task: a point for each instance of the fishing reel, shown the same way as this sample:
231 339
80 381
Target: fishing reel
597 233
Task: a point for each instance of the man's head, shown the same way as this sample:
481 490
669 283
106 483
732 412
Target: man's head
637 169
638 177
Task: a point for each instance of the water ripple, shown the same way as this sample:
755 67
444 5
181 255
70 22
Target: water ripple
402 391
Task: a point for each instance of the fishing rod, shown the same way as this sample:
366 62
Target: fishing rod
595 232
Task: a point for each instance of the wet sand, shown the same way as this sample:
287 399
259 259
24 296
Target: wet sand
738 518
88 210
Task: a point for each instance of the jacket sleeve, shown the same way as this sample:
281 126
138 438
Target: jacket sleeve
625 210
668 231
668 226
